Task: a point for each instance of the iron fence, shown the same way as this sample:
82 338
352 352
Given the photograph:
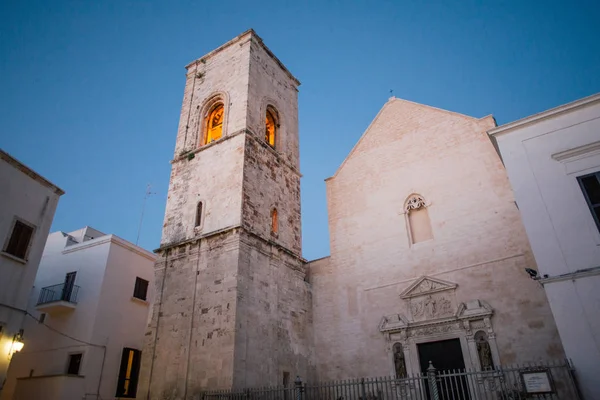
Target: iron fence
550 381
60 292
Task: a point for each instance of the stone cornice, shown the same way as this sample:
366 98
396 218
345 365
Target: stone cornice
195 239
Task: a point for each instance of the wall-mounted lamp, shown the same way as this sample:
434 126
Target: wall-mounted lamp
533 274
17 343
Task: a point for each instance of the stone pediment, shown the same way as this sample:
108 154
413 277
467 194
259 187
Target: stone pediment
426 285
392 323
474 309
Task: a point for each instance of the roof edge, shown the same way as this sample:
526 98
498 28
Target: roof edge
391 100
553 112
29 172
252 34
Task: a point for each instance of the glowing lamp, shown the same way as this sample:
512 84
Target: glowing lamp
17 346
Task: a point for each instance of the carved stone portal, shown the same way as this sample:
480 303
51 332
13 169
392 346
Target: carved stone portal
433 314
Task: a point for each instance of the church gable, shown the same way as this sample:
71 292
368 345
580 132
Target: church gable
400 120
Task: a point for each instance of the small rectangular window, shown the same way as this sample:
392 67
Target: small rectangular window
74 364
590 185
42 318
129 373
19 240
141 289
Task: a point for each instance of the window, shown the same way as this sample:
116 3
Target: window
274 222
198 214
590 185
419 226
214 124
19 240
42 318
141 289
74 363
129 373
270 127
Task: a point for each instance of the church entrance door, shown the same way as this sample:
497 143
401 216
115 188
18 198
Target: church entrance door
447 357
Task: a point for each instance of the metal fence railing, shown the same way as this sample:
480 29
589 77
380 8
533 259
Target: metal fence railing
60 292
552 381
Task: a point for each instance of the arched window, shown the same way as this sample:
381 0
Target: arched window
399 363
274 222
484 351
198 214
214 124
419 226
270 127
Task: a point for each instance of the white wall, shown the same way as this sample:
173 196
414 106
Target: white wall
104 315
543 158
121 320
31 198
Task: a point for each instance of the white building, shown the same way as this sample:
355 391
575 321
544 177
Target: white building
553 163
91 297
27 206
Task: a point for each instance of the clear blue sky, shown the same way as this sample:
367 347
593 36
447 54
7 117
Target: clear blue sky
90 91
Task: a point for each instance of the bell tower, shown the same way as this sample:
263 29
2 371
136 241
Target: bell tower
232 307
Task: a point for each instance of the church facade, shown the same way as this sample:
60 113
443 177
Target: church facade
427 247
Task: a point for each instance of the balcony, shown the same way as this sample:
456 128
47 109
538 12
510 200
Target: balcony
57 298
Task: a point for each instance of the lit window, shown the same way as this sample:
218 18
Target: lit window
590 185
274 222
129 372
214 124
270 128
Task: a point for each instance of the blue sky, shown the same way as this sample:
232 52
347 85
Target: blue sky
90 91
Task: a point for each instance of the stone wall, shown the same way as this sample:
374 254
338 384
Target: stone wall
192 331
274 316
478 240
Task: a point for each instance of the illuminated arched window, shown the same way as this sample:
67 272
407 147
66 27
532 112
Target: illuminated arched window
274 221
419 226
270 127
214 124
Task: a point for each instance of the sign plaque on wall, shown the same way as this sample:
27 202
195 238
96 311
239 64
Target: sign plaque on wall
537 381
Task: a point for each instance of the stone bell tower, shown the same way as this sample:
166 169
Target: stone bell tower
232 307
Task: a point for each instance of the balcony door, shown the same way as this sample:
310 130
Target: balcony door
68 286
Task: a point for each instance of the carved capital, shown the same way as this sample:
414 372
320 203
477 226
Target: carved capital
414 203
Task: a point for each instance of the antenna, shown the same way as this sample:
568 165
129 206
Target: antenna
391 92
148 194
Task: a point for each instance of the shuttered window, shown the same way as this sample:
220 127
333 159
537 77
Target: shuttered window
19 240
140 291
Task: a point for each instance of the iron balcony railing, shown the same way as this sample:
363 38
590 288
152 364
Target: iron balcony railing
60 292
